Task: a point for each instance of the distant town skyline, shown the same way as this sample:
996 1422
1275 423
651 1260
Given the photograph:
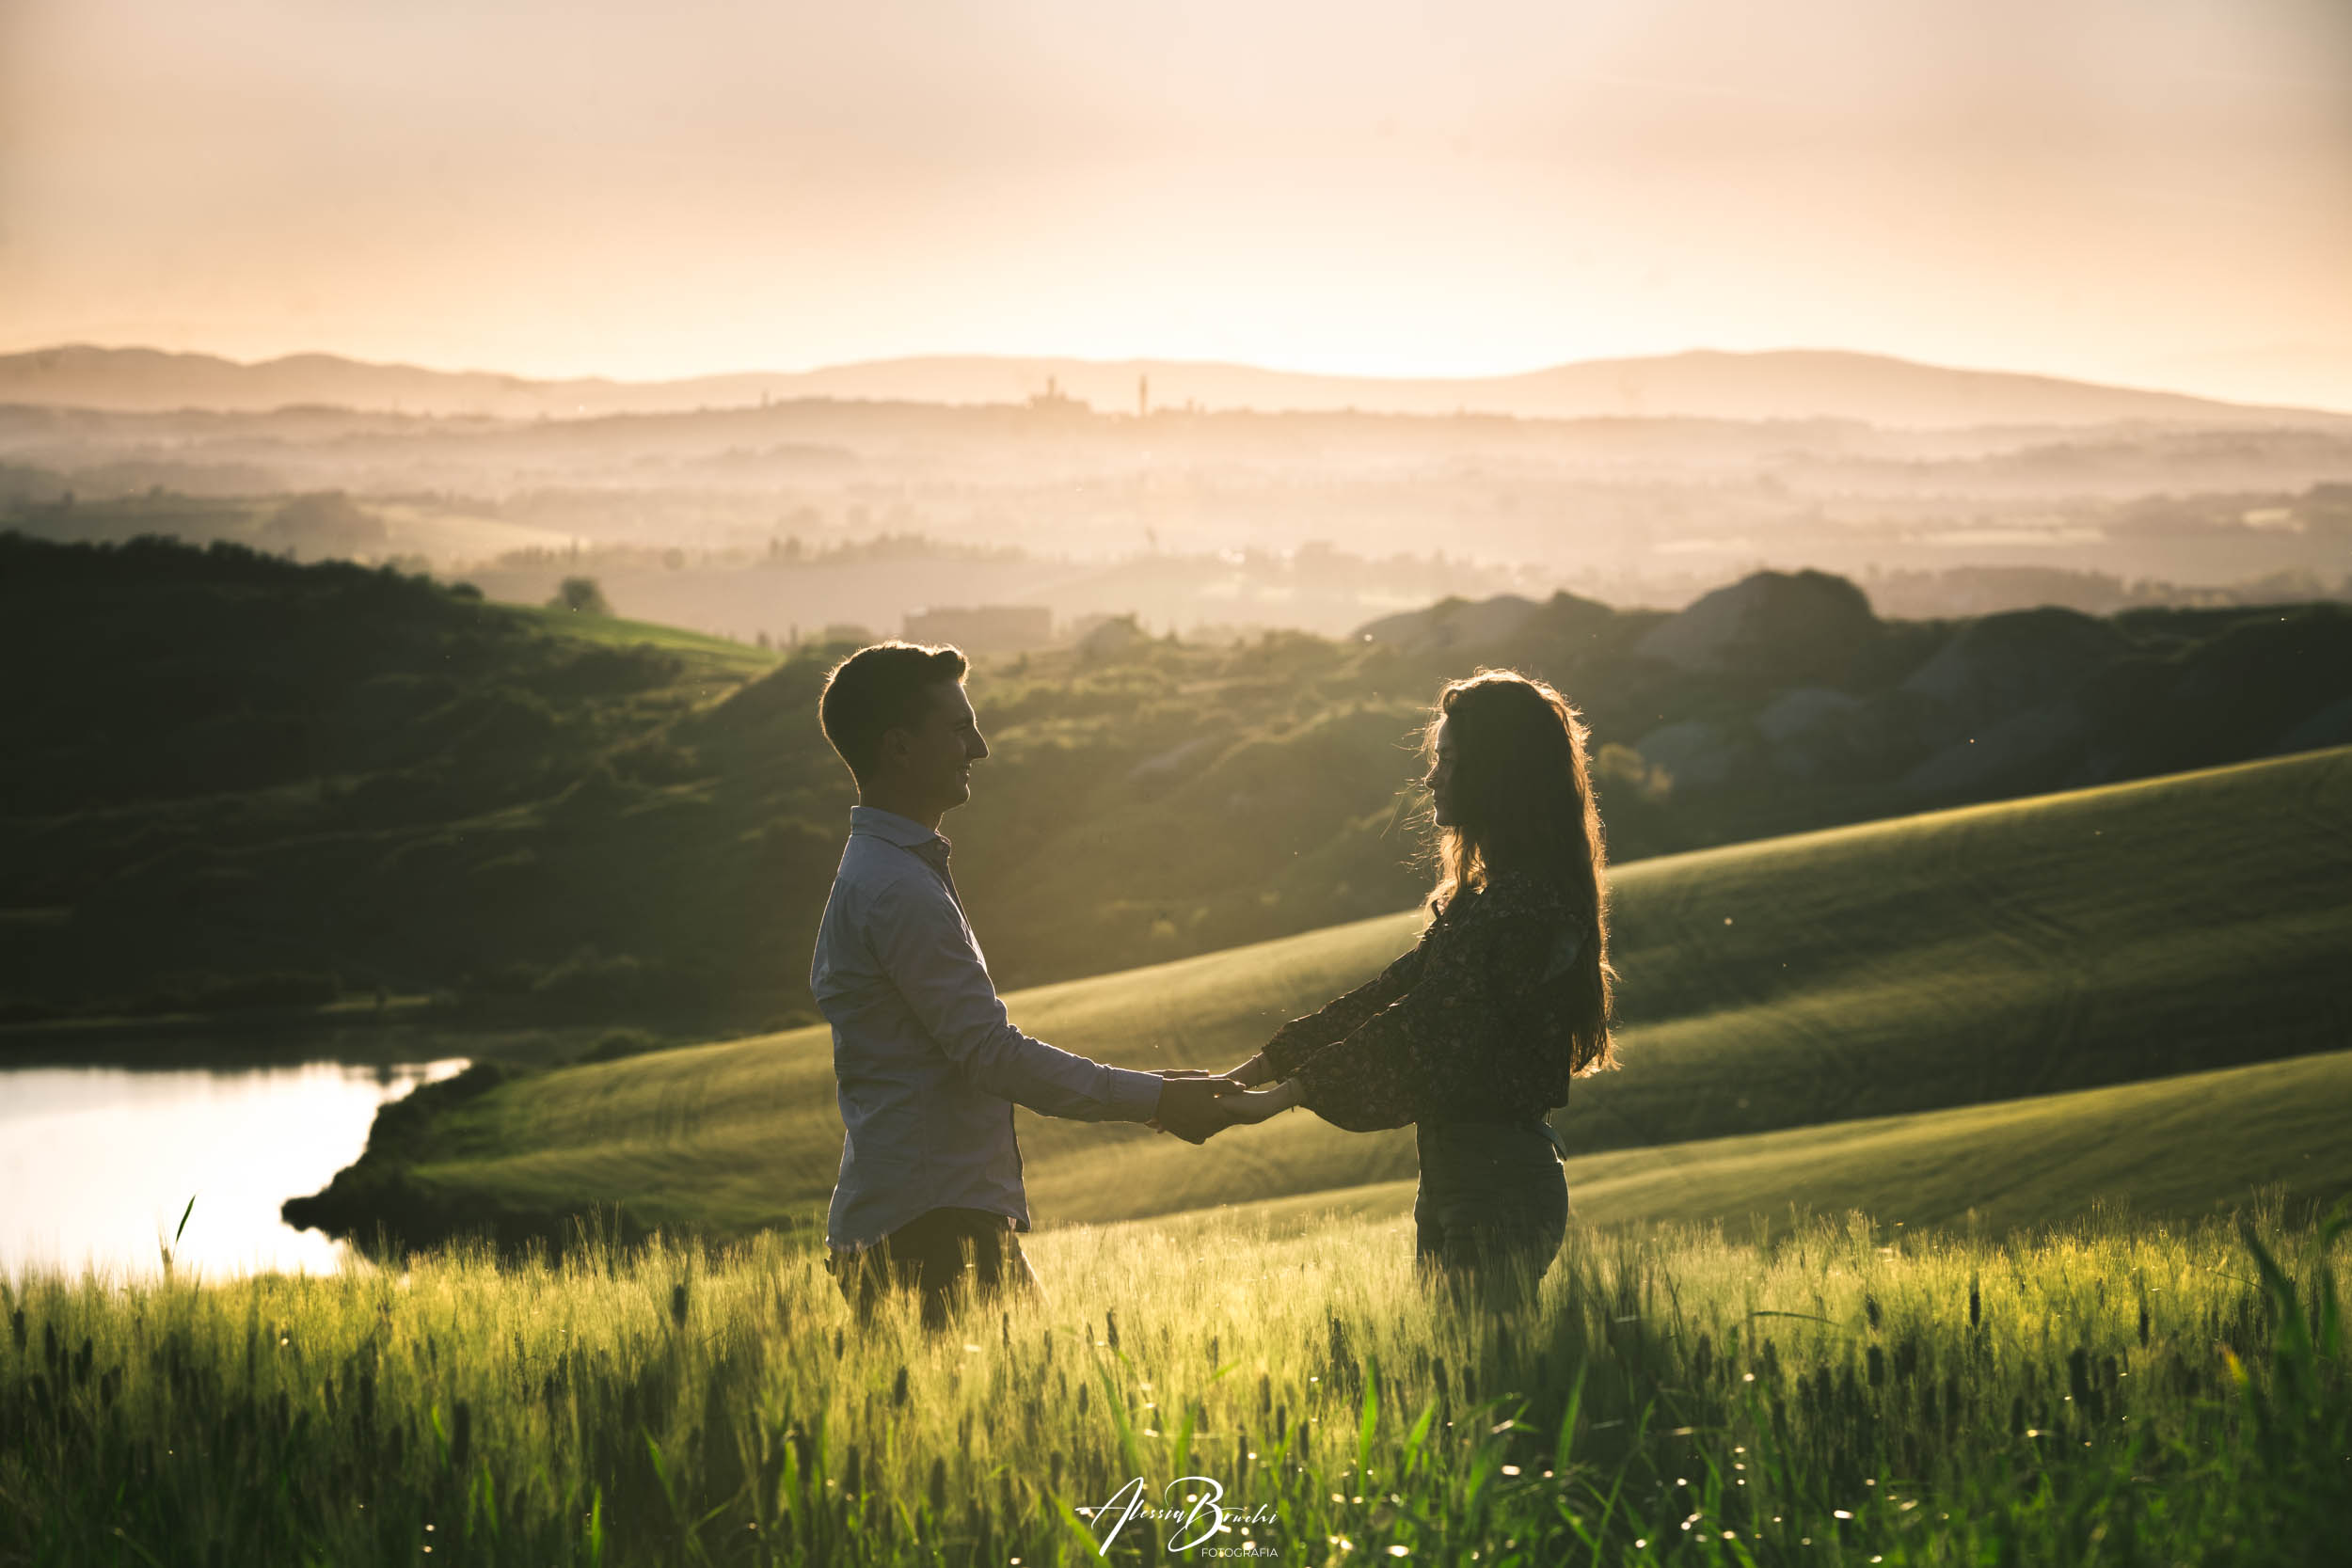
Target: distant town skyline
2151 195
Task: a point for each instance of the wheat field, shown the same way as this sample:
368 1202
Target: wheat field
1840 1393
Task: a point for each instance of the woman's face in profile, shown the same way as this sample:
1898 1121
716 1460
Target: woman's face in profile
1439 780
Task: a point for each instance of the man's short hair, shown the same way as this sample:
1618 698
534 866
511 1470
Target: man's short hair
883 688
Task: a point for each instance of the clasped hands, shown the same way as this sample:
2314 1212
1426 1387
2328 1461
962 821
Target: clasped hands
1197 1105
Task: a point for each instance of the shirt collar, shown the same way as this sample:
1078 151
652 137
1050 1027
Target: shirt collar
889 826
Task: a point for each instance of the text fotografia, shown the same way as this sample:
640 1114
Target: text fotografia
1196 1523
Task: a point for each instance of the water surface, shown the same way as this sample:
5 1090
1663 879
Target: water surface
96 1163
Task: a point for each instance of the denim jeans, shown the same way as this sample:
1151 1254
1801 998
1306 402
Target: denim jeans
1493 1201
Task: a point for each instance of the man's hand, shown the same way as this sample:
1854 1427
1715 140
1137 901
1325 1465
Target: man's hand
1190 1106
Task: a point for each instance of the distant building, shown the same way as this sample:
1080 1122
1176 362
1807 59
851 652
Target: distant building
1055 401
844 631
997 628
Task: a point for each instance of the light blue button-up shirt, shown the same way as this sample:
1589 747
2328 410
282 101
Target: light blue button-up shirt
929 1066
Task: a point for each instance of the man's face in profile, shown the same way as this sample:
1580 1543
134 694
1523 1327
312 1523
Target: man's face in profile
943 745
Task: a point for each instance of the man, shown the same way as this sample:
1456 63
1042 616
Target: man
928 1067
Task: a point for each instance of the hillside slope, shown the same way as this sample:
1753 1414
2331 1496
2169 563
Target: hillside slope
239 780
250 771
2173 1149
1951 960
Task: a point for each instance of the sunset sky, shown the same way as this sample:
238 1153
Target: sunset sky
2155 192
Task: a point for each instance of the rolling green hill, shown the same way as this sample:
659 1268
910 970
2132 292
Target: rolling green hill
2172 1148
1975 958
241 781
238 780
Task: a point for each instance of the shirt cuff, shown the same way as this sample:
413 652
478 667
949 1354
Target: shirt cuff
1319 1099
1331 1089
1303 1073
1138 1093
1280 1055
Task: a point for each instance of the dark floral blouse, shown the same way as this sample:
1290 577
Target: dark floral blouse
1468 1026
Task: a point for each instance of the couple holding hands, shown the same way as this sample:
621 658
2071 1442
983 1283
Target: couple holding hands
1471 1036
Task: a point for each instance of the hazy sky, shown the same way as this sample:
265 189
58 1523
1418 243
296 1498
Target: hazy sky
2156 192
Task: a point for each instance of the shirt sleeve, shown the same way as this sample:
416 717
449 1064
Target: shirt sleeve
1302 1037
920 940
1457 1042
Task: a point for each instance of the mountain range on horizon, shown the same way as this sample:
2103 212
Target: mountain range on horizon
1794 384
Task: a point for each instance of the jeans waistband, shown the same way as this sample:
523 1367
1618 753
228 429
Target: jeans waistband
1535 1125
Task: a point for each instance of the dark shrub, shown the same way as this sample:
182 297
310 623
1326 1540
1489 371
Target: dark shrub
581 595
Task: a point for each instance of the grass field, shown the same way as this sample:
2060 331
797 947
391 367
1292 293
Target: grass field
617 632
2169 1150
2039 1050
1842 1396
1782 1001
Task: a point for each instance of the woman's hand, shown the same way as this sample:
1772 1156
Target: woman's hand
1255 1073
1255 1105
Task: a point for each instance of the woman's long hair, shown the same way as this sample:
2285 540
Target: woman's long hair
1521 793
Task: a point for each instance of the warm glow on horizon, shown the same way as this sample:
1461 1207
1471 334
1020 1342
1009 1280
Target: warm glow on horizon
2147 194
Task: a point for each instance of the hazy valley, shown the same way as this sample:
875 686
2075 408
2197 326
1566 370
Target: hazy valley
841 501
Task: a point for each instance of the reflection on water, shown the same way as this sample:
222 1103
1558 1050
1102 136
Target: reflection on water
97 1163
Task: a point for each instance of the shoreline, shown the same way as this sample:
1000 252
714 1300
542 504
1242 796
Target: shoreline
407 1031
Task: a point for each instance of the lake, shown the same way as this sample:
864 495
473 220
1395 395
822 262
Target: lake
97 1163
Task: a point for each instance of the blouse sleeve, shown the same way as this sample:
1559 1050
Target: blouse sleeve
1456 1040
1302 1037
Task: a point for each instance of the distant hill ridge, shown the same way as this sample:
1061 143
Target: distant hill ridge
1794 384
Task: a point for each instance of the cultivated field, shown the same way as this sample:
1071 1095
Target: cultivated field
613 631
1889 1017
2040 1057
1847 1394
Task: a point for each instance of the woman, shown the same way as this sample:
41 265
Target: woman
1473 1035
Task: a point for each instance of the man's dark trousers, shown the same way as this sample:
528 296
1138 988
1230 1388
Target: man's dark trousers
945 1254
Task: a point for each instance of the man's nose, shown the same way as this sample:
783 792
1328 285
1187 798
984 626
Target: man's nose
978 748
